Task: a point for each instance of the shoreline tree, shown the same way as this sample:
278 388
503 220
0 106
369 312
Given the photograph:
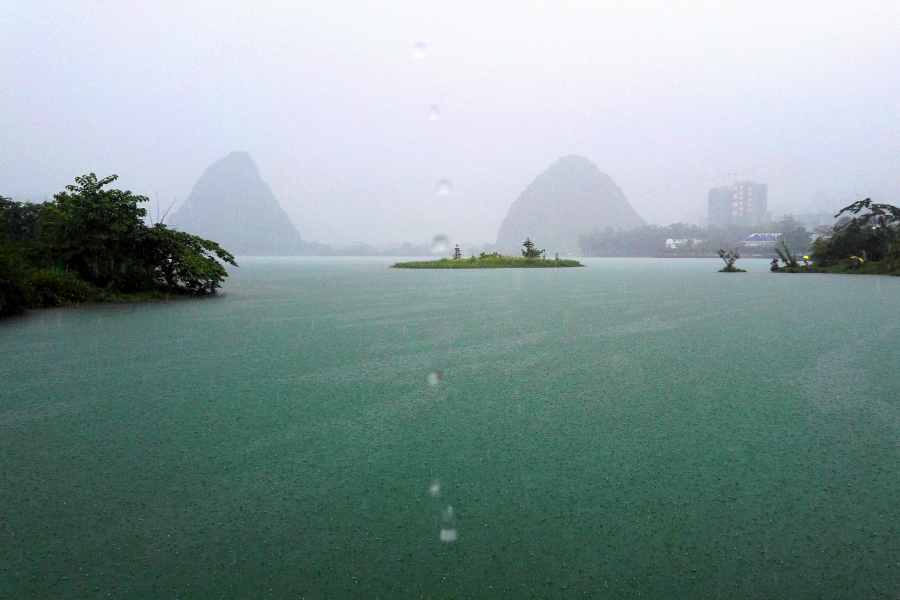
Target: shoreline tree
873 235
92 243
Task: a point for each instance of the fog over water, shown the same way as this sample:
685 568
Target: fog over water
359 114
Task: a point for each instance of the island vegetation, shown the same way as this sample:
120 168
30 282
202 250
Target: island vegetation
730 257
532 258
866 243
92 243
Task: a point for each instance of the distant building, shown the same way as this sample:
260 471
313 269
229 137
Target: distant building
720 207
744 203
761 239
673 243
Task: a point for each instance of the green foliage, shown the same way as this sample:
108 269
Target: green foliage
856 265
16 292
530 250
97 233
490 261
20 222
872 236
52 287
93 243
184 261
786 256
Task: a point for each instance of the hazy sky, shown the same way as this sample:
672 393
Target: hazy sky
334 105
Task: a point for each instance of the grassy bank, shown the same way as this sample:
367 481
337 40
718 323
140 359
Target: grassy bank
491 262
848 267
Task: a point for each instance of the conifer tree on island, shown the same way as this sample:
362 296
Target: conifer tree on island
530 250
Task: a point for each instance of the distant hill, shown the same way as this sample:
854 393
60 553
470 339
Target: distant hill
569 198
233 206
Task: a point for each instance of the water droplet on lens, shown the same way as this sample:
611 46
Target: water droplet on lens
435 377
443 187
448 513
448 535
419 50
440 244
435 113
435 488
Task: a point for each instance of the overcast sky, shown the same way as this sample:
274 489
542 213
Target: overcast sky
333 101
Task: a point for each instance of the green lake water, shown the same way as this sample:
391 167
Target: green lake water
635 428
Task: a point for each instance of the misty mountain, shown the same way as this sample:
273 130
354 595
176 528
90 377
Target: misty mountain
230 204
571 197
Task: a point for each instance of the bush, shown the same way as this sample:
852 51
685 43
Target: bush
16 292
92 243
872 236
52 287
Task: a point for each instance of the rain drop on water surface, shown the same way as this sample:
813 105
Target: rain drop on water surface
448 535
435 377
448 525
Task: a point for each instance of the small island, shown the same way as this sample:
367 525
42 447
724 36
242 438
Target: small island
866 244
531 258
730 258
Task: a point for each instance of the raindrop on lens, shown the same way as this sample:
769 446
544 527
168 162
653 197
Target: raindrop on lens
435 377
435 113
448 525
443 187
419 50
435 488
440 244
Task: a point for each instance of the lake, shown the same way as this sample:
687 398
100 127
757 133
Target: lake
333 428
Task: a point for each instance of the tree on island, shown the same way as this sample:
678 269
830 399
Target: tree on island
530 250
457 253
92 243
786 256
730 257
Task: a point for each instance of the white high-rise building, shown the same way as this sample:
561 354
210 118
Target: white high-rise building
744 203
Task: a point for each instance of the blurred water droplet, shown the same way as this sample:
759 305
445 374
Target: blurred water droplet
435 488
443 187
448 514
435 113
435 377
419 50
440 244
448 535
